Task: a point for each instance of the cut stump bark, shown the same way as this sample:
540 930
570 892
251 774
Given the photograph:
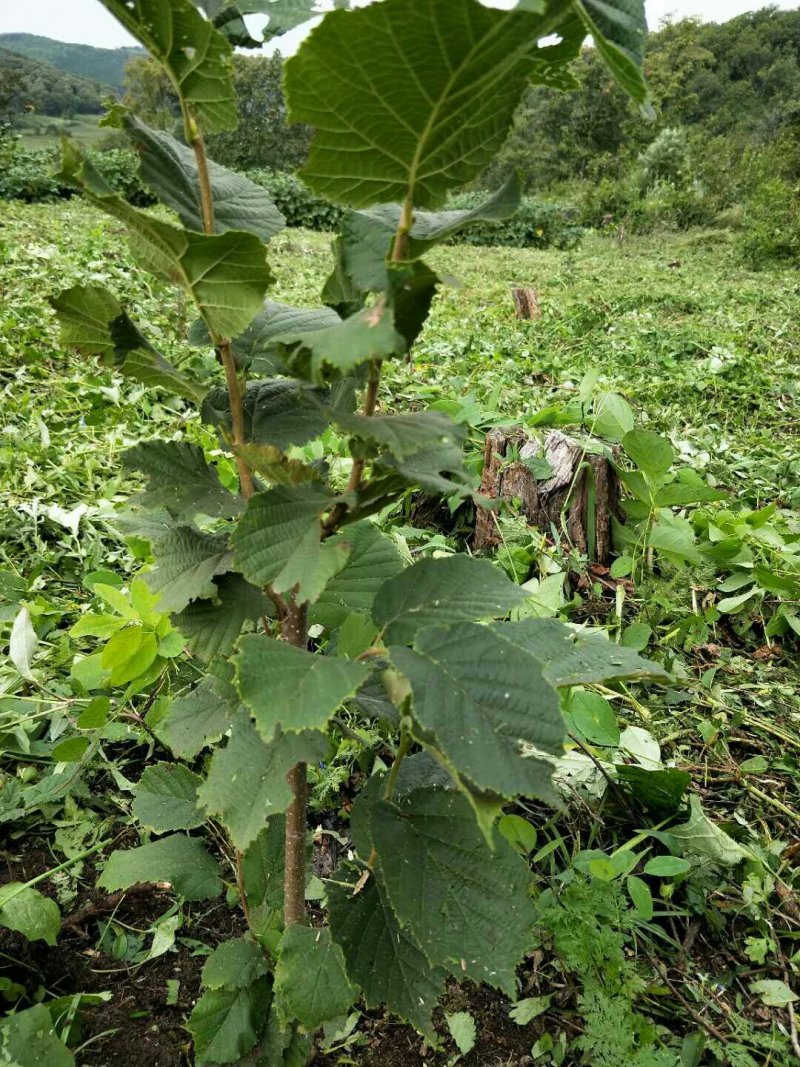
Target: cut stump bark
526 303
578 499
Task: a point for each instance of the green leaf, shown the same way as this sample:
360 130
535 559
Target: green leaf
678 494
186 562
291 688
619 28
166 798
437 468
263 865
440 591
382 137
774 993
170 169
612 416
666 866
525 1011
128 654
367 236
226 274
277 540
29 912
573 658
462 1030
180 480
22 643
373 558
519 833
652 454
660 791
93 322
277 412
443 882
195 720
592 717
367 335
641 896
70 751
381 956
311 984
182 861
257 347
235 964
701 837
194 54
487 704
211 627
246 782
28 1039
402 435
225 1023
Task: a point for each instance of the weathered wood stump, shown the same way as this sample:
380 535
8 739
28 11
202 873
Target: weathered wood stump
526 303
578 499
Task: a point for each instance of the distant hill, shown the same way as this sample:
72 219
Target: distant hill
33 87
104 65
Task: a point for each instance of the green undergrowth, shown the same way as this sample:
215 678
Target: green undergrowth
666 922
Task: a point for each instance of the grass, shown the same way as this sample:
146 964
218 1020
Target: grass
703 350
45 131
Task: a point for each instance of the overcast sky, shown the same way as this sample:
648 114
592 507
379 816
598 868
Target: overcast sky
87 22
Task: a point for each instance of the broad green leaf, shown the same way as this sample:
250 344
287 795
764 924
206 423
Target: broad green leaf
462 1030
677 494
225 274
367 335
373 558
170 169
28 1039
29 912
211 627
277 540
487 704
246 782
22 643
701 837
774 993
70 751
592 717
234 964
277 411
182 861
618 28
402 435
381 956
181 480
166 798
439 591
467 906
612 416
186 562
263 865
291 688
257 347
666 866
128 654
193 53
195 720
311 984
652 454
367 236
518 832
642 898
571 657
93 322
382 135
659 790
226 1023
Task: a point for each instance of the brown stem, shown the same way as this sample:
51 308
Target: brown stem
295 630
225 351
370 403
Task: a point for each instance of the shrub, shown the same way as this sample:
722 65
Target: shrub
296 202
536 224
771 229
30 174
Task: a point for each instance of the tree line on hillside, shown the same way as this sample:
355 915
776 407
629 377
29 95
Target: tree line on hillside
30 86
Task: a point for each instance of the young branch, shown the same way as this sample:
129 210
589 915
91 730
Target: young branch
294 628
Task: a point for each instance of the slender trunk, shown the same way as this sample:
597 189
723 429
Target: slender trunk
295 630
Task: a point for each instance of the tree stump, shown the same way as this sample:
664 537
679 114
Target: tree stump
526 303
578 499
